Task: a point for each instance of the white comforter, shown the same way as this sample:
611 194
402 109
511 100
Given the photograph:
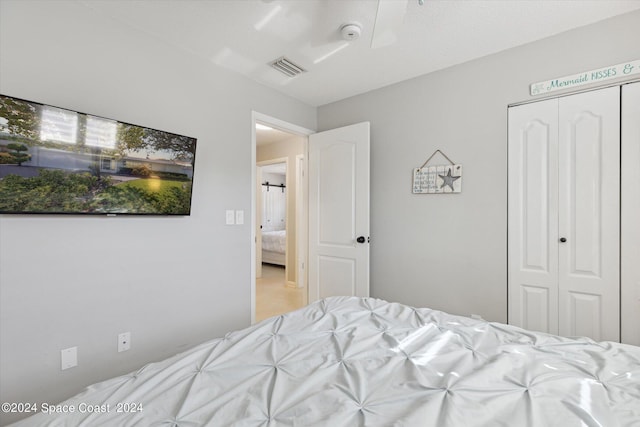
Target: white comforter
274 241
365 362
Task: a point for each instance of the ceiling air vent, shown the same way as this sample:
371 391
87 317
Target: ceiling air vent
287 67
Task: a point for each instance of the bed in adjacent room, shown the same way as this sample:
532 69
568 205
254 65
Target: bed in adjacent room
273 247
347 361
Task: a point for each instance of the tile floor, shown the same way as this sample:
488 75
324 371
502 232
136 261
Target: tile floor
273 296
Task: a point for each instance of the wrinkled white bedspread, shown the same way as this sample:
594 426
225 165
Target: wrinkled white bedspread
365 362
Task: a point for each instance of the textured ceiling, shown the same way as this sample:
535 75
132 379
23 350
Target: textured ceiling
245 35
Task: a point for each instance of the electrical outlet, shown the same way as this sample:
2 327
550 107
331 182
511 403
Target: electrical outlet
69 358
124 341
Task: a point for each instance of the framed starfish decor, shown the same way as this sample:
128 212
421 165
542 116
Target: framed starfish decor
439 179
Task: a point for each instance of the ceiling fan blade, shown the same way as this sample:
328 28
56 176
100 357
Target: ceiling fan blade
389 18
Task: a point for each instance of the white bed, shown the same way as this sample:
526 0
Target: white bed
364 362
273 247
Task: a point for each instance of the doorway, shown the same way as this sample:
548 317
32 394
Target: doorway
278 217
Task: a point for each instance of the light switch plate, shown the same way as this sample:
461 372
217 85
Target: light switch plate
240 217
231 217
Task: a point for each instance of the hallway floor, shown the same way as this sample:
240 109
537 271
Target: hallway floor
273 296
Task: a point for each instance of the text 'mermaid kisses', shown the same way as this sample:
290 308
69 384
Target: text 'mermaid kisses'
621 70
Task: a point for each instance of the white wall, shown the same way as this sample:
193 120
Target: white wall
449 252
288 148
79 281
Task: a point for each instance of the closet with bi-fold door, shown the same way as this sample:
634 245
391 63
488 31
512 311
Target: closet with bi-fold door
574 214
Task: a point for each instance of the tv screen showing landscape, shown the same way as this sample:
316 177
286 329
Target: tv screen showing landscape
58 161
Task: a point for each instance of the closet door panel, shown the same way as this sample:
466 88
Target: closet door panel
584 179
589 214
630 215
586 317
533 260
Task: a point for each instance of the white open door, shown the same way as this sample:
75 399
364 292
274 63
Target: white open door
339 212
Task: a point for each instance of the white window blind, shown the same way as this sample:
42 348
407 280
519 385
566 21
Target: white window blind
101 132
59 125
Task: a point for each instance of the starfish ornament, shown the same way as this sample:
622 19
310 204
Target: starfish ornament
448 179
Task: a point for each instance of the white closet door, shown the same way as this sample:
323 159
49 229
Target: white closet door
630 245
533 226
589 214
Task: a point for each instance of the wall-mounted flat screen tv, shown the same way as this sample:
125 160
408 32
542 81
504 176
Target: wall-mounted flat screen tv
58 161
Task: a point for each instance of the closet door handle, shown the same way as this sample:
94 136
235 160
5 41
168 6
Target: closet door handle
563 239
360 239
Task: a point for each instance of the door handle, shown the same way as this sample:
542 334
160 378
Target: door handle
360 239
563 239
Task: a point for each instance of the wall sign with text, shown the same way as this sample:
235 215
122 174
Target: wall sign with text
437 179
586 77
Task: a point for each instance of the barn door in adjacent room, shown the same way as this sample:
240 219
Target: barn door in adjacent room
339 212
